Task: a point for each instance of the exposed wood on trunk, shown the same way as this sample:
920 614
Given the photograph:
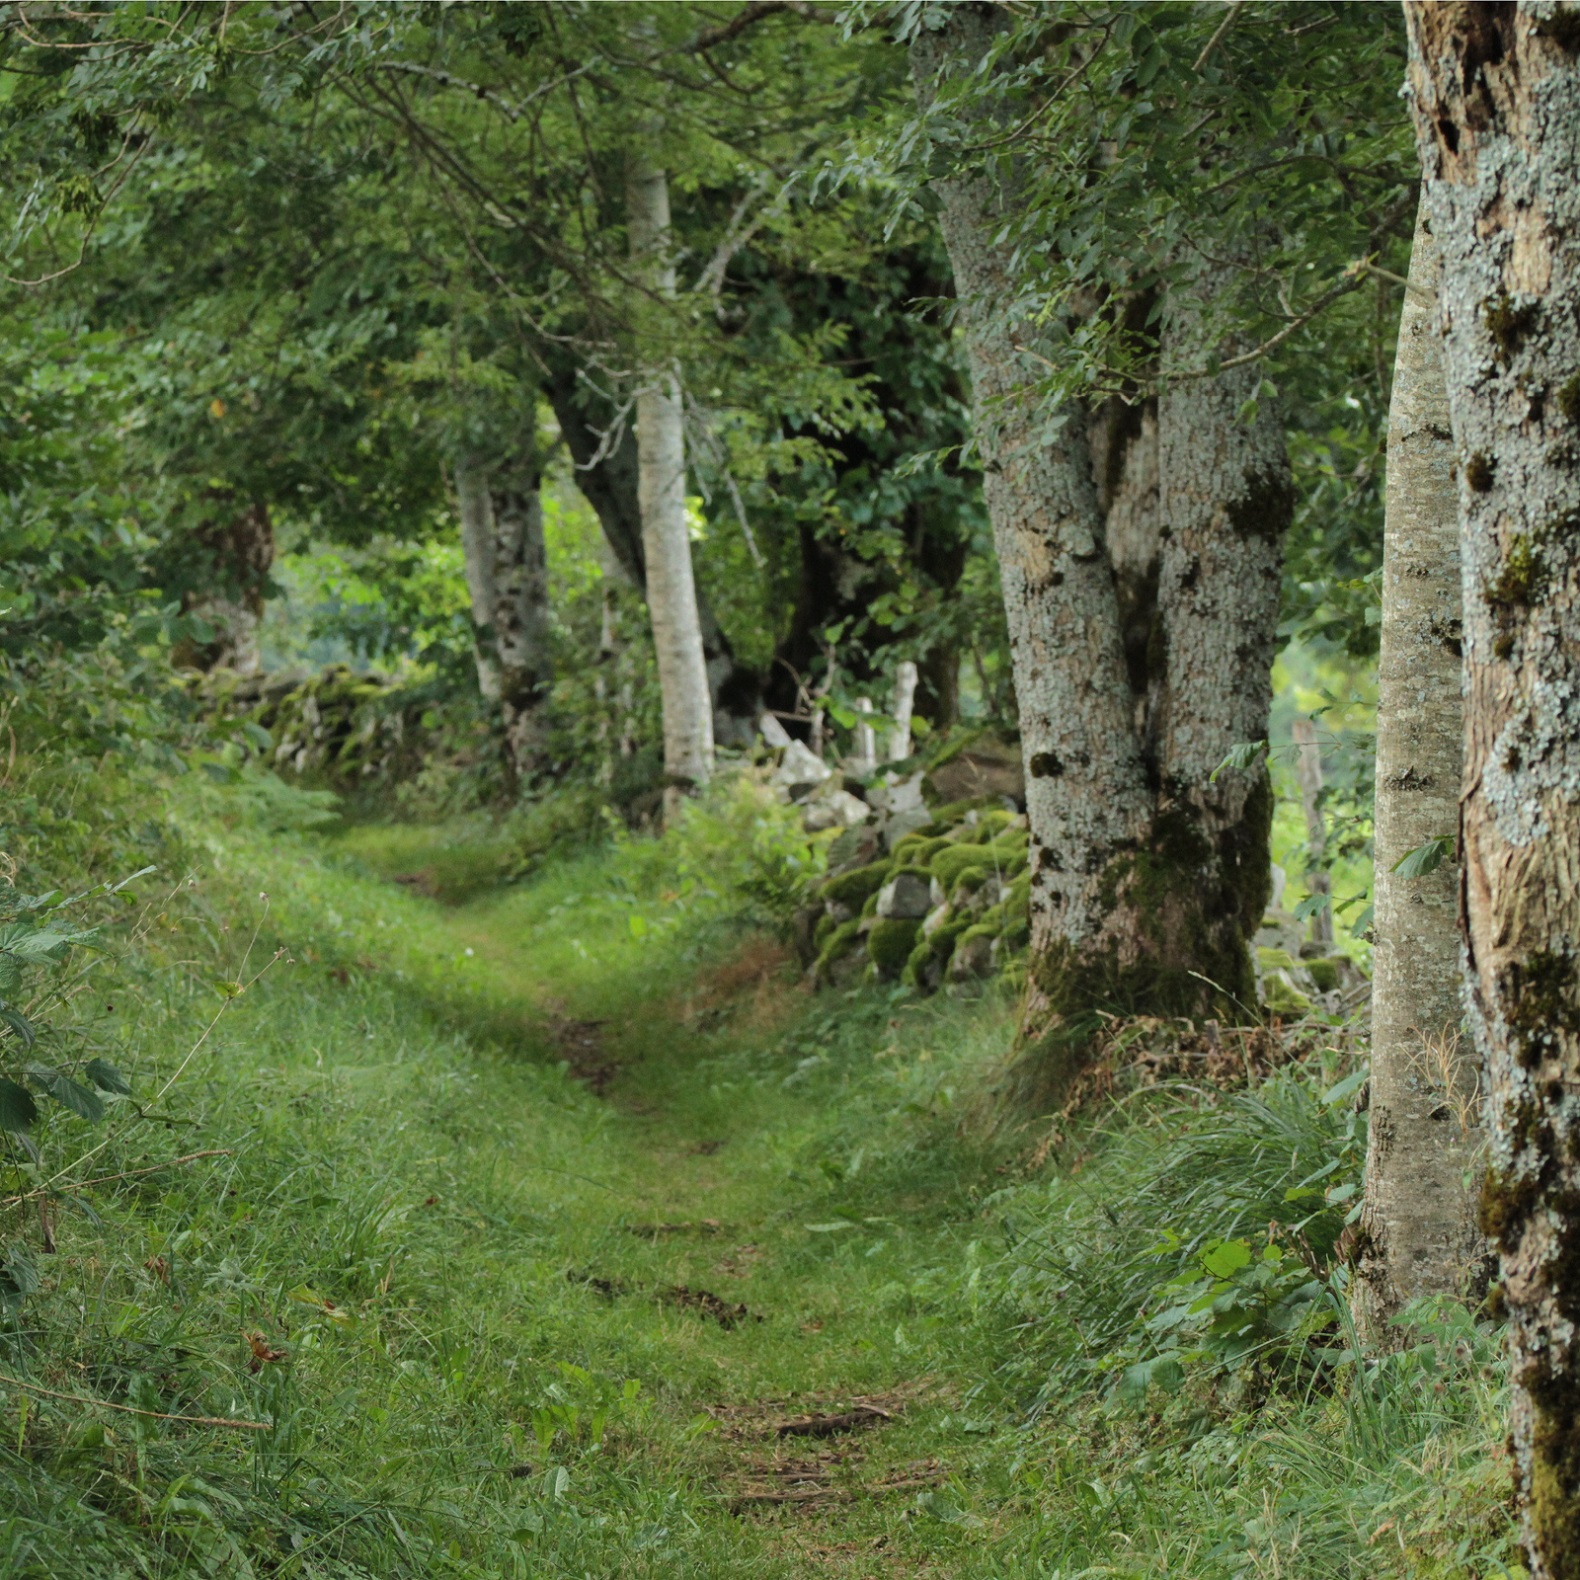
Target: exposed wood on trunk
1419 1228
1495 95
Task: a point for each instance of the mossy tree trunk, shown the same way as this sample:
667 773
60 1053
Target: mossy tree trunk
1419 1221
1149 878
1495 95
661 492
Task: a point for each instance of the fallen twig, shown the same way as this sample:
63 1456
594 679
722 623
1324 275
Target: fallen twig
106 1179
126 1409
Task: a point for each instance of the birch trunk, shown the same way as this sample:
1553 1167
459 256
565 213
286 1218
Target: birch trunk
1495 93
661 491
1418 1225
521 628
477 551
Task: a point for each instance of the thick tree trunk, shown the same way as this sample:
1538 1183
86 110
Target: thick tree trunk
1149 878
1495 95
521 647
1419 1229
661 491
1226 499
477 550
232 556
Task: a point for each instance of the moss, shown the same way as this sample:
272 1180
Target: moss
1519 582
942 940
1563 28
838 944
1508 322
1327 972
1282 999
851 888
890 943
1540 998
919 849
954 811
1275 960
1568 397
955 862
916 964
1506 1204
823 931
1479 471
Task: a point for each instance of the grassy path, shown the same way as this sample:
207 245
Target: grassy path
558 1234
755 1232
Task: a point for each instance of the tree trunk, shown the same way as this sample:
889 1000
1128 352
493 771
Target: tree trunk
521 645
477 549
1149 878
1495 95
1308 774
1418 1225
232 557
661 491
1227 498
607 475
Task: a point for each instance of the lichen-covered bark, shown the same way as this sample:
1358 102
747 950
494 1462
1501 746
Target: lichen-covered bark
521 646
1495 94
1087 797
1139 555
1419 1222
1227 498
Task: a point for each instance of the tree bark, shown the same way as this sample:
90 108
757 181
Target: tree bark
521 647
1149 877
661 492
1227 498
607 475
1308 774
477 551
1495 95
1418 1226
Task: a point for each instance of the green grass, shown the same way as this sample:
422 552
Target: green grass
469 1260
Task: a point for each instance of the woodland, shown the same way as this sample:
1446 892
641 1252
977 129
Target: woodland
790 788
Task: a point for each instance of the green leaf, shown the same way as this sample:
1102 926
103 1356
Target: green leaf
20 1024
85 1104
1424 858
1241 757
1226 1258
106 1077
17 1108
1309 906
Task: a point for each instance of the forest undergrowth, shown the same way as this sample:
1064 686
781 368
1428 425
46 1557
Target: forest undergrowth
552 1229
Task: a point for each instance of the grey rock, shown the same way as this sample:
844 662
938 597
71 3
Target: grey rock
907 897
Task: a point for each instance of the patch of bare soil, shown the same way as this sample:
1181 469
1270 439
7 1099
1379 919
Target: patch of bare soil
580 1043
707 1304
756 988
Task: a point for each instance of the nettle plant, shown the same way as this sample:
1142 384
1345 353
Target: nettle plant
35 946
